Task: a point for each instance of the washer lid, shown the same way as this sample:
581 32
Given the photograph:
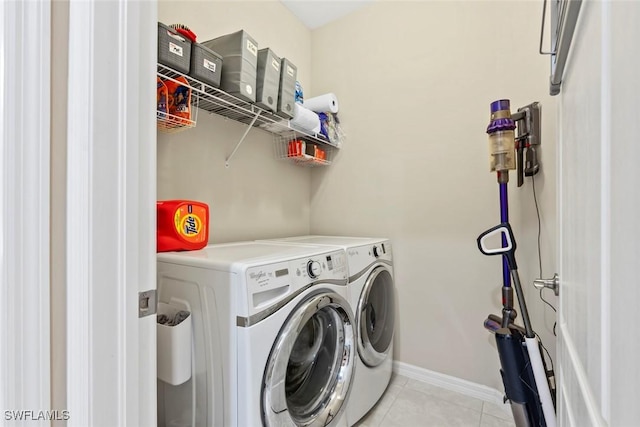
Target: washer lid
229 256
342 241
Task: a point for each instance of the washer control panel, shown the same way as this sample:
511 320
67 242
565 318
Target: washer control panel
332 265
267 284
314 269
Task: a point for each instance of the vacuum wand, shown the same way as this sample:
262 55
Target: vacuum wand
503 179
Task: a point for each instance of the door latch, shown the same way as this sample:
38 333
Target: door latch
553 283
147 303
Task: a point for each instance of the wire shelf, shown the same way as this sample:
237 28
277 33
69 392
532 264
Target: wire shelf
168 123
302 151
216 101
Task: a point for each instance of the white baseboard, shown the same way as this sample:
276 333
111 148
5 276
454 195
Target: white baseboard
448 382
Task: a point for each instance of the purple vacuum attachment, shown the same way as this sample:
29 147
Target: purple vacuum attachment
501 139
500 117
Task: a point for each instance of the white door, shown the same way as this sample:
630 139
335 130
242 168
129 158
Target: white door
599 228
110 237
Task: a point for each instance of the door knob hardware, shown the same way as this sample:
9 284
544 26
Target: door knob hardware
553 283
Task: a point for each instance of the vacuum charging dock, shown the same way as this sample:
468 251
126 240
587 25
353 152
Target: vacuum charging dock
527 141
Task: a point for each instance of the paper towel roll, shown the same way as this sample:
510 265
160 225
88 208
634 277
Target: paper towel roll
305 120
322 103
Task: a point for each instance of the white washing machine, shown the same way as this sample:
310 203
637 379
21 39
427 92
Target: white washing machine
273 335
372 298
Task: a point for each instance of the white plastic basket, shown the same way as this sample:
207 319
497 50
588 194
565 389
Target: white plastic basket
174 347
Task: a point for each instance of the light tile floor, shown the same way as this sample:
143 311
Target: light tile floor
412 403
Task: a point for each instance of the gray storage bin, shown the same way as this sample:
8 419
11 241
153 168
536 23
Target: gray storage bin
268 80
174 50
287 91
206 65
240 58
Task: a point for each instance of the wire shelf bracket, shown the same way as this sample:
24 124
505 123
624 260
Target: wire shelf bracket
227 161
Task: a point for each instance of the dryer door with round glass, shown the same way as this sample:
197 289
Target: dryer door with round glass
308 374
376 317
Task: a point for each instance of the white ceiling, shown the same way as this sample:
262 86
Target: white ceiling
315 13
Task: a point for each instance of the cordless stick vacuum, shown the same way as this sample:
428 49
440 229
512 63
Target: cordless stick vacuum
524 373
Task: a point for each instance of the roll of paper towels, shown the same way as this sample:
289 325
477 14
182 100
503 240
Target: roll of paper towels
322 103
305 120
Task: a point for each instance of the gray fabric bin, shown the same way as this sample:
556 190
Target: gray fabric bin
268 80
239 57
287 91
206 65
174 50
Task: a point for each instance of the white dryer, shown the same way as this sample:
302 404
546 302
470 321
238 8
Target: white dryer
372 298
273 335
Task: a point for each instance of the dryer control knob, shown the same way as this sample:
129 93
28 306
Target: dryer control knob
376 252
314 269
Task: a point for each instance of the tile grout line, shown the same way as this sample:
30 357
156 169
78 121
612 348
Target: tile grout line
387 411
392 402
508 417
405 386
440 399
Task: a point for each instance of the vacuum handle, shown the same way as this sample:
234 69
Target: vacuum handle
508 248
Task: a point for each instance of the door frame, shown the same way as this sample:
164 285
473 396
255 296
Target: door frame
24 208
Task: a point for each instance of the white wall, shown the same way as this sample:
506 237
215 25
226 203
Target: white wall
59 74
258 196
415 80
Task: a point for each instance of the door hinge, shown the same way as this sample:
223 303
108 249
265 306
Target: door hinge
147 303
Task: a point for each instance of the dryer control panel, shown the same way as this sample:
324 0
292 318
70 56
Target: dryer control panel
361 257
271 283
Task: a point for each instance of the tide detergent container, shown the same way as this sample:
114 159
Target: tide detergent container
183 225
